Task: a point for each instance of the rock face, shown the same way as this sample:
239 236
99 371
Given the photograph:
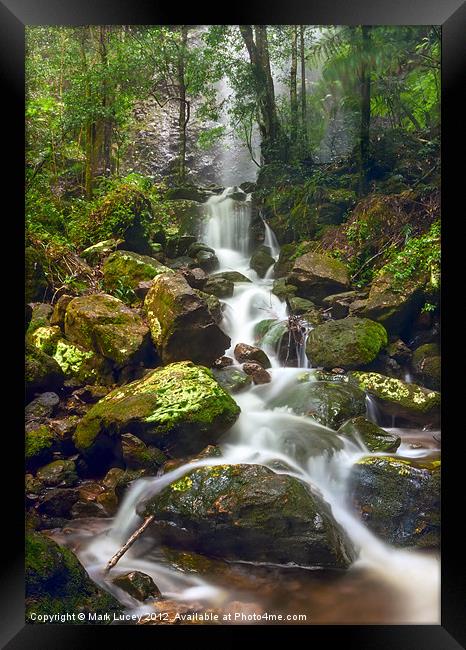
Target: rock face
261 261
247 512
180 408
244 353
105 325
330 403
373 437
41 372
394 307
317 276
398 499
407 402
124 270
57 582
181 323
348 343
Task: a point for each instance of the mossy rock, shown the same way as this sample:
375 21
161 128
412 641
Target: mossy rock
407 402
45 339
427 366
39 444
231 276
398 499
138 455
299 306
213 305
220 287
104 324
124 270
42 372
330 403
232 379
138 585
261 261
249 513
181 322
36 283
282 289
97 252
318 275
40 316
372 436
59 473
348 343
285 261
57 583
86 366
179 408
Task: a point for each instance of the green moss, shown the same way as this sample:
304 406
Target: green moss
123 270
38 444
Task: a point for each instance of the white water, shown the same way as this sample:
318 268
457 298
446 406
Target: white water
306 449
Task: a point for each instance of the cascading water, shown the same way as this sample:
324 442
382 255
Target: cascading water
315 454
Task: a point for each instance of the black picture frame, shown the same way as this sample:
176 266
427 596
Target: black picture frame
14 16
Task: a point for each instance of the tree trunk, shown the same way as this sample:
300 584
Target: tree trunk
293 84
303 83
89 131
365 84
183 115
106 102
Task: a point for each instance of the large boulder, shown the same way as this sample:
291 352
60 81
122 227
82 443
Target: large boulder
317 275
348 343
392 305
250 513
179 408
232 378
398 499
372 436
57 583
124 270
104 324
97 252
218 286
330 403
181 324
408 403
261 260
42 372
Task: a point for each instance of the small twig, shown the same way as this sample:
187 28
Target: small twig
119 554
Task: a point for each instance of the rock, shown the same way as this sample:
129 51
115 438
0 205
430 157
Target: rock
406 402
282 289
258 373
180 408
56 582
398 499
232 379
137 455
182 263
39 444
138 585
392 305
59 473
426 364
85 509
97 252
249 513
59 311
339 303
41 407
45 339
222 362
40 317
36 283
284 264
219 287
329 402
261 261
91 394
197 247
213 305
181 323
372 436
105 325
348 343
299 306
42 373
196 277
27 316
188 192
244 353
207 261
317 276
142 289
84 366
399 351
58 502
231 276
124 270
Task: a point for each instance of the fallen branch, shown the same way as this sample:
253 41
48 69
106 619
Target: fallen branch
136 535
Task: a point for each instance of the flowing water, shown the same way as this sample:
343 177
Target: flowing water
384 585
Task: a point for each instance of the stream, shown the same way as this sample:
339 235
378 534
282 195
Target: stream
384 585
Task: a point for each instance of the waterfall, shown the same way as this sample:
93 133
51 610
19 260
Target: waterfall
315 454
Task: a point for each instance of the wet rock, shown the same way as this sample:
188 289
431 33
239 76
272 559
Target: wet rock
282 289
244 352
59 473
222 362
213 305
138 585
231 276
58 502
124 270
196 277
284 264
261 260
206 260
91 394
103 324
182 263
58 316
181 323
247 512
41 407
42 372
330 403
317 276
137 455
299 306
188 192
179 408
372 436
339 303
85 509
399 351
426 364
220 287
408 403
232 379
57 582
39 445
197 247
258 373
348 343
97 252
398 499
